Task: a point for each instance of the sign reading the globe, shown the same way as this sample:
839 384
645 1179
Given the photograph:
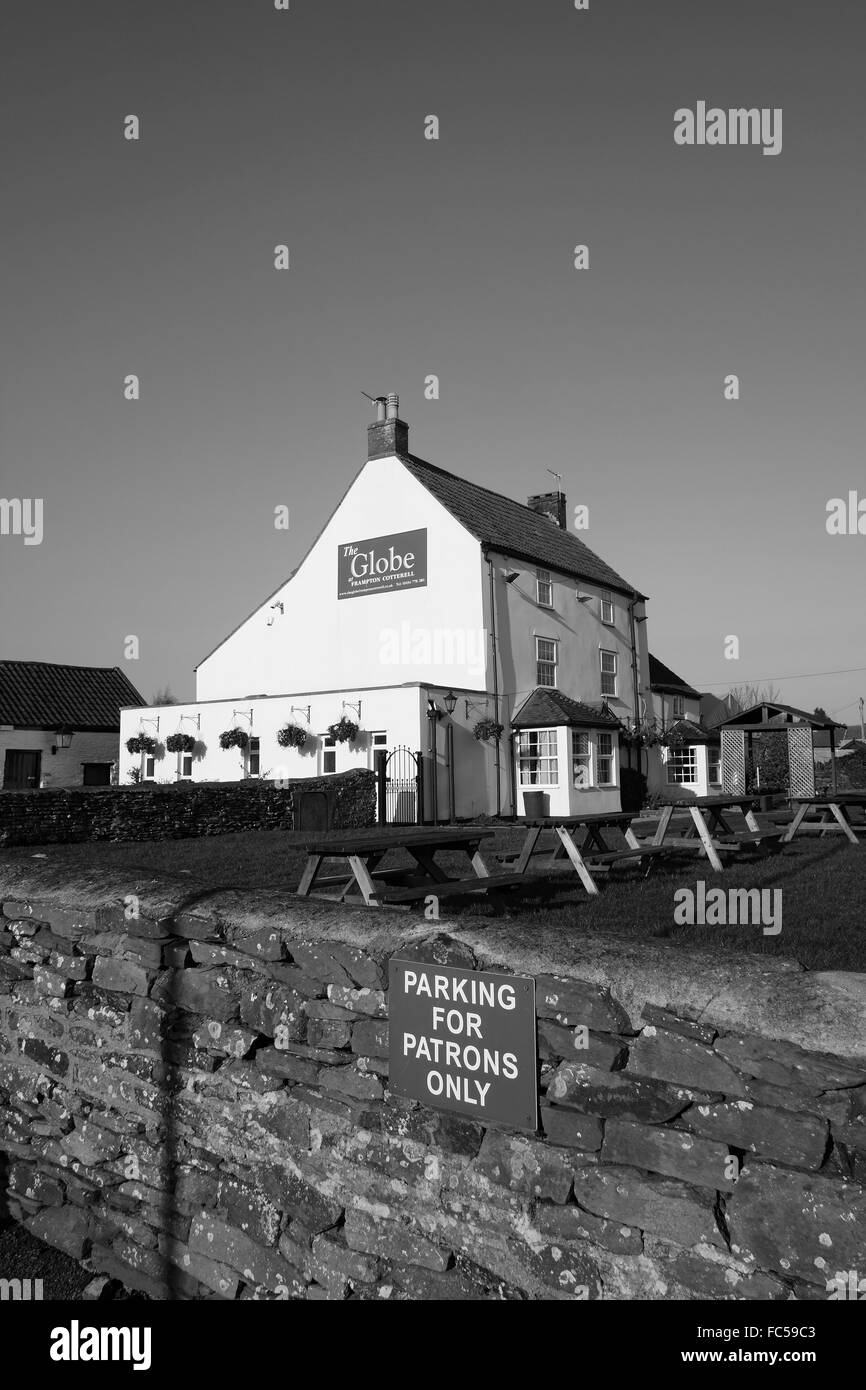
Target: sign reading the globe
382 563
464 1040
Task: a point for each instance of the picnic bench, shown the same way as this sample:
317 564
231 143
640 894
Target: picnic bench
593 854
833 814
402 885
710 832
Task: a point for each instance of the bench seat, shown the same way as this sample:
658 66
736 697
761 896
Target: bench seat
453 885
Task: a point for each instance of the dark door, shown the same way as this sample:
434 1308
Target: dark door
22 770
96 774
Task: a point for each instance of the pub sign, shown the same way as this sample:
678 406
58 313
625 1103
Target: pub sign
382 563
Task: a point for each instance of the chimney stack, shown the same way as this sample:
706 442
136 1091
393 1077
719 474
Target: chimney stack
388 434
552 505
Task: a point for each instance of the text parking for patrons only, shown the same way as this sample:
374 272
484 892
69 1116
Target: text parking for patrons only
464 1040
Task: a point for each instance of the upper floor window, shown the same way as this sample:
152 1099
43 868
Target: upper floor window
607 661
678 706
607 612
545 661
543 588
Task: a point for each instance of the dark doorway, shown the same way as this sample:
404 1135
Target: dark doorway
22 770
96 774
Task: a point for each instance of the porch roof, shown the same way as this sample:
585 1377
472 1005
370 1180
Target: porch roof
548 707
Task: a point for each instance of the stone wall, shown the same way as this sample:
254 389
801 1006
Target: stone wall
194 1099
156 812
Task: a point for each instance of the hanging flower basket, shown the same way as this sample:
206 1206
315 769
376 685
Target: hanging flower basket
291 736
487 729
234 738
344 731
180 743
141 743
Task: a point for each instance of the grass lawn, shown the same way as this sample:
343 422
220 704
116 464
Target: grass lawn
823 883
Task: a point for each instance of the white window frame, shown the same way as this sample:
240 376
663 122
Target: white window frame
254 753
606 757
375 747
545 661
602 653
145 775
676 758
581 759
714 759
329 745
545 750
184 774
678 707
543 584
606 606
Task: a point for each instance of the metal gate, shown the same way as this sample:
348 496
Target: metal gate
400 782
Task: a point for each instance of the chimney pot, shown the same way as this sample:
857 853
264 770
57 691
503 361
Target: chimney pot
387 434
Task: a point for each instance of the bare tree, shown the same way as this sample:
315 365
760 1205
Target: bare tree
165 697
741 697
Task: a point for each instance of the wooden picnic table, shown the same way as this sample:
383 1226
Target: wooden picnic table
593 853
377 887
833 807
710 832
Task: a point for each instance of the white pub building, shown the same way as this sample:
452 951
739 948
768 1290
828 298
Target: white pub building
426 606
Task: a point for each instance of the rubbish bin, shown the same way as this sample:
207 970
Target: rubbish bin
536 804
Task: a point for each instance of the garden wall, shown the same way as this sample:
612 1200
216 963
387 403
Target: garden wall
710 1142
156 812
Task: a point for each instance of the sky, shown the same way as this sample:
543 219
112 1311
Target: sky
411 257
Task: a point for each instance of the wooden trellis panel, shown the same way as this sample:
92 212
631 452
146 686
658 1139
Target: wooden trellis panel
734 761
801 761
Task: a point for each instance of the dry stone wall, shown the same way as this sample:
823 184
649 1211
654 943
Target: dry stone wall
152 811
195 1100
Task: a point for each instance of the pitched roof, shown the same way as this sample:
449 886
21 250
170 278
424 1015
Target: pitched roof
42 695
546 707
663 678
770 714
514 529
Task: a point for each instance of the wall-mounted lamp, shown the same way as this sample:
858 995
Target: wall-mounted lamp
62 738
347 704
449 701
583 598
301 709
641 620
281 607
511 575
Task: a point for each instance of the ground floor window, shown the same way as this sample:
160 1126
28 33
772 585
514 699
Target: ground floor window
378 744
593 760
186 764
254 757
714 766
329 753
683 765
606 773
96 774
537 758
581 760
22 770
149 768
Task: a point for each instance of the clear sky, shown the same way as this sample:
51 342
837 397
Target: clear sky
412 257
